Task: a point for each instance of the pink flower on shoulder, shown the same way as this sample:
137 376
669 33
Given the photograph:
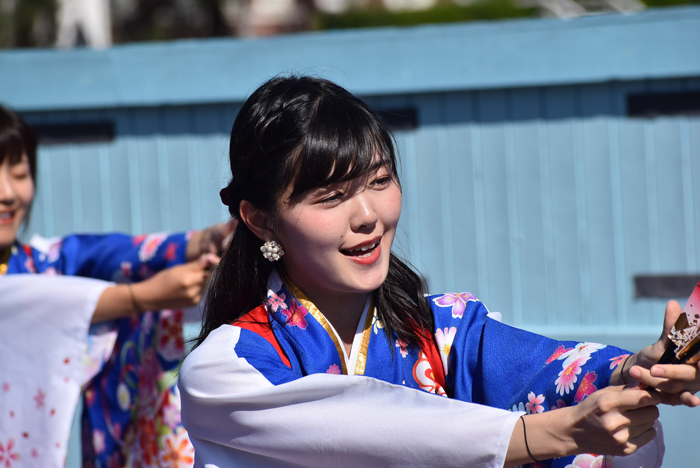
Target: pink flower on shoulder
458 302
616 361
580 350
586 386
445 337
534 404
334 369
567 377
403 346
588 460
150 245
54 250
295 316
276 302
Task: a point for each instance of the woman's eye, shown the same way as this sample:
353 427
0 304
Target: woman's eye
332 198
381 181
20 174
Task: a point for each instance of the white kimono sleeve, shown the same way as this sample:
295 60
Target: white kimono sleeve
237 418
43 330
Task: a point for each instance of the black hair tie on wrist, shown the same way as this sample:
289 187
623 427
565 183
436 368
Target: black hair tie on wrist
527 447
622 370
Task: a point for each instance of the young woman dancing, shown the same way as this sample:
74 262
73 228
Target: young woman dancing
309 289
157 271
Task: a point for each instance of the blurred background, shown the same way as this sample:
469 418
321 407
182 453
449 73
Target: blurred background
100 23
550 148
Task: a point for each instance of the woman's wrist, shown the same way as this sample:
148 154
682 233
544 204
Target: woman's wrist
621 375
542 436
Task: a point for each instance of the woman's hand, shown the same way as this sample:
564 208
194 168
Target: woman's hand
210 240
176 287
616 420
677 383
612 421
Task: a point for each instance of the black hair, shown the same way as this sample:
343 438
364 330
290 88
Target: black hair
16 140
291 135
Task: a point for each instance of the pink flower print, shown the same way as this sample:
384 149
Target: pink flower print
171 413
126 270
149 374
580 350
34 453
295 316
458 302
586 386
50 271
588 460
445 337
534 404
6 387
39 398
171 344
177 451
98 441
170 252
616 361
145 272
7 454
567 377
150 246
54 250
276 302
403 347
557 353
29 265
560 404
334 369
425 377
137 240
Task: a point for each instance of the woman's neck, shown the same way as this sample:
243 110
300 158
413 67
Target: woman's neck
343 311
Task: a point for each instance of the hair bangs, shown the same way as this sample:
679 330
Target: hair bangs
341 143
11 147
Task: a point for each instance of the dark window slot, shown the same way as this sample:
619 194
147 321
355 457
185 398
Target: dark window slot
57 134
654 105
664 286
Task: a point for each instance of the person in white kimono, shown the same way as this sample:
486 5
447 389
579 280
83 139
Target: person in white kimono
309 289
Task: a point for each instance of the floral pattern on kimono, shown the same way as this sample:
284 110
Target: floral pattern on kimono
471 357
131 412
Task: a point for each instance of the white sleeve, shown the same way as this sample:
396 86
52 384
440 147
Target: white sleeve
43 330
237 418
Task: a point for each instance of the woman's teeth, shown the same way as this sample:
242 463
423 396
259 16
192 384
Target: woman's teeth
364 251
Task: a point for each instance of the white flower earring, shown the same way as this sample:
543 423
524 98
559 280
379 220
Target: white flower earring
271 250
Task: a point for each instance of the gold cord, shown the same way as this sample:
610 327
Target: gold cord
5 260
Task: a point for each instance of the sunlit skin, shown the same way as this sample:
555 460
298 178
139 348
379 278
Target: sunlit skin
321 232
16 194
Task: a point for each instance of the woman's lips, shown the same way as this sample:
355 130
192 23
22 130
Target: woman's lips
7 217
365 254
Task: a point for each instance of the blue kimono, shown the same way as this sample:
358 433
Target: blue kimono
131 407
470 357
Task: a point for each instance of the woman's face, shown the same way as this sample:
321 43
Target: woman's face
16 194
337 238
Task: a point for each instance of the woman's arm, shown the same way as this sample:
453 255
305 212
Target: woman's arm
174 288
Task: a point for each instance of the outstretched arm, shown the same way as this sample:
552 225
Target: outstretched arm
174 288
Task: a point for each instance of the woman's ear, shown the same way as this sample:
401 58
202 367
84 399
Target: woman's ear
257 221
